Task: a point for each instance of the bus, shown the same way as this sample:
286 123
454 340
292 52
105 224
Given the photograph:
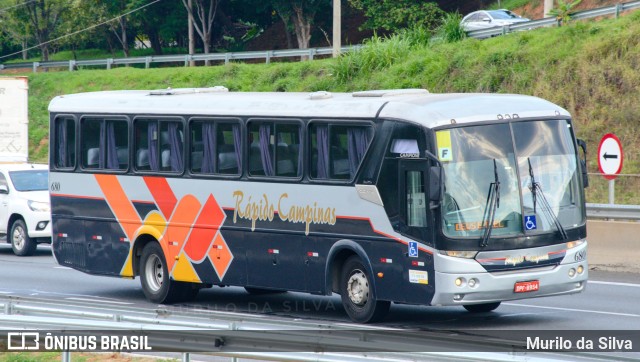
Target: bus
380 196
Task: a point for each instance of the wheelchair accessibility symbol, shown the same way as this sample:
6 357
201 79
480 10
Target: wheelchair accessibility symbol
530 222
413 249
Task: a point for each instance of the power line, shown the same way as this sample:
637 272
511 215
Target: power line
82 30
15 6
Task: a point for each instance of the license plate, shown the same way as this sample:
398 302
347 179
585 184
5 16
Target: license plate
524 287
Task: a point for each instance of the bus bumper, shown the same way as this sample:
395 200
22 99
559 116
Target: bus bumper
496 287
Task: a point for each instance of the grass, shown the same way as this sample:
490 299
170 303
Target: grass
509 4
589 68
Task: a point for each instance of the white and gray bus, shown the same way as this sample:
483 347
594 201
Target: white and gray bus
381 196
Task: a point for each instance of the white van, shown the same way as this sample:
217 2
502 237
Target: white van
25 211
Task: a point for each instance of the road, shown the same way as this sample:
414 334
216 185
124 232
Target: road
609 302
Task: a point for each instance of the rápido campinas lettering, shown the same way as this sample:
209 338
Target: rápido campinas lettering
287 210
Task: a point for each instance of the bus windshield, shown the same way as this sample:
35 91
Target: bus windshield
533 162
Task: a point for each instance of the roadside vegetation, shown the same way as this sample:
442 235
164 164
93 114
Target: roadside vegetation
589 68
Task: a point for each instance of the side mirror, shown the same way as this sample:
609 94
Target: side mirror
435 185
4 189
583 162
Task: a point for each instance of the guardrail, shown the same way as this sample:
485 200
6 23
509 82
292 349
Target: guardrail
613 212
260 337
309 53
181 58
551 21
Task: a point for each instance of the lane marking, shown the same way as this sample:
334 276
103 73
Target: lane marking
97 300
614 283
574 310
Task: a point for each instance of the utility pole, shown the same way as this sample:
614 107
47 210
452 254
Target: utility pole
548 5
337 19
192 39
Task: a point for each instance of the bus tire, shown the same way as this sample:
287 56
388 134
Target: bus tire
357 293
157 286
21 243
481 308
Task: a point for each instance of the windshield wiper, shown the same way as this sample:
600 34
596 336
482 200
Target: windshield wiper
536 189
493 202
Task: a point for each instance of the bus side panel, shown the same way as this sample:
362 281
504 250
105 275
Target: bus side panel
276 260
404 279
98 246
213 265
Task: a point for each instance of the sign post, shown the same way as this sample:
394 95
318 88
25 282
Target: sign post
610 159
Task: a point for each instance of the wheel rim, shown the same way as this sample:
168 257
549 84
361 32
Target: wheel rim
154 272
18 237
358 288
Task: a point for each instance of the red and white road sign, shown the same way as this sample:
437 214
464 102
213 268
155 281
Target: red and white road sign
610 156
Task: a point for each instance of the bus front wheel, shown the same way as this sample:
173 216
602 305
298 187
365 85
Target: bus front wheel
356 291
481 308
156 283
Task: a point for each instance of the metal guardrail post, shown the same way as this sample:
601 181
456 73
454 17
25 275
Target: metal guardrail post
109 62
312 51
35 67
72 65
227 58
618 9
268 56
147 62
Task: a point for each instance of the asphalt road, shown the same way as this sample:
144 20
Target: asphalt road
610 301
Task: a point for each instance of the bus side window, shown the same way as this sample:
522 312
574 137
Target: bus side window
104 144
159 145
274 149
215 147
338 151
65 143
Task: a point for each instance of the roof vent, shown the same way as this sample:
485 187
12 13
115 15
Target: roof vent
390 92
170 91
320 95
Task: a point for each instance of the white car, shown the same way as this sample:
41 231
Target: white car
485 19
25 208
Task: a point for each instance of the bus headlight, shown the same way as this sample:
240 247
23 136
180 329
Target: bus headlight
459 253
580 269
572 273
39 206
573 244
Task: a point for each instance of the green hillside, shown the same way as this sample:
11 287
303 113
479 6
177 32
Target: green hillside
589 68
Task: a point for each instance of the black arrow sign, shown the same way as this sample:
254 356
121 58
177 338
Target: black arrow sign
606 157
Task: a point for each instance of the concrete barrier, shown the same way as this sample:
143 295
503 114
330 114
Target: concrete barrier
614 245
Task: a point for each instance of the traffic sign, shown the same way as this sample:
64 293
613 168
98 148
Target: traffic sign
610 156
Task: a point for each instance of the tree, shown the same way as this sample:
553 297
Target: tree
160 22
43 17
395 14
14 29
203 15
564 10
300 15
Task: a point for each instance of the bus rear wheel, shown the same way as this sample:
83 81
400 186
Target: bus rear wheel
481 308
157 286
357 293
